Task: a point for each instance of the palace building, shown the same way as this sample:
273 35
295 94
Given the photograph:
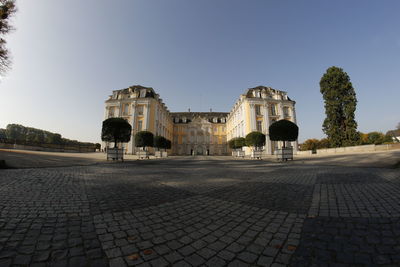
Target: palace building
201 133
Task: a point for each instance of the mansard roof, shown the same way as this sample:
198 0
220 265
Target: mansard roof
200 114
132 90
264 89
209 116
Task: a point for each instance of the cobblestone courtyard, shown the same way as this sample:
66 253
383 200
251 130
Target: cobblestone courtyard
208 212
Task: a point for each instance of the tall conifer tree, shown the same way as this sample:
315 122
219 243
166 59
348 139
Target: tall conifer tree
7 9
340 105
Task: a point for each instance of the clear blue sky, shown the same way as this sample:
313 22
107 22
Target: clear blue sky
69 55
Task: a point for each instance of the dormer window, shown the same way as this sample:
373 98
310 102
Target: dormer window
143 93
215 119
184 119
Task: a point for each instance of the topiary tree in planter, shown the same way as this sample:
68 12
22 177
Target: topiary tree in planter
255 140
117 130
240 142
144 139
168 144
160 142
231 144
283 130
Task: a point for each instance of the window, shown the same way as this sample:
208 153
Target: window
273 109
259 126
286 111
258 110
140 125
143 93
125 109
140 110
111 112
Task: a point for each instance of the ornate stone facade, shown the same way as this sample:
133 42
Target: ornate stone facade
256 111
201 133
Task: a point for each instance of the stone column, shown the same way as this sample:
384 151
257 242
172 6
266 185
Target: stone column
280 108
294 114
295 143
266 124
146 116
134 130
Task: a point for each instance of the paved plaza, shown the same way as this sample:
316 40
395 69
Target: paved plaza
200 212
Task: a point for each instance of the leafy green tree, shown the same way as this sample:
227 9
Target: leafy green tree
309 144
30 135
240 142
237 142
231 144
375 138
168 144
7 9
117 130
39 137
53 138
144 139
255 139
340 105
15 132
160 142
323 143
283 130
387 139
3 134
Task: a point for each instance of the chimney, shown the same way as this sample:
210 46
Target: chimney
189 109
210 109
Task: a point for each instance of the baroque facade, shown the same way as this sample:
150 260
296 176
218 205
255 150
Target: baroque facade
201 133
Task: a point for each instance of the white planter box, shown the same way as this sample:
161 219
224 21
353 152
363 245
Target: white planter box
142 154
256 154
158 154
284 154
164 154
115 153
240 153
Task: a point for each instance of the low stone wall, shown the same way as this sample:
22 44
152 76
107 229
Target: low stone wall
38 148
351 149
6 146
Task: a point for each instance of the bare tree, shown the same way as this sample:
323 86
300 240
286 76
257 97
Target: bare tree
7 9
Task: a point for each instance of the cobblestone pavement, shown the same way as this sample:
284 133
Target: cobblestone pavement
184 212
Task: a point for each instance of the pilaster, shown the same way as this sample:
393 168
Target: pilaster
280 107
134 130
266 123
252 117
